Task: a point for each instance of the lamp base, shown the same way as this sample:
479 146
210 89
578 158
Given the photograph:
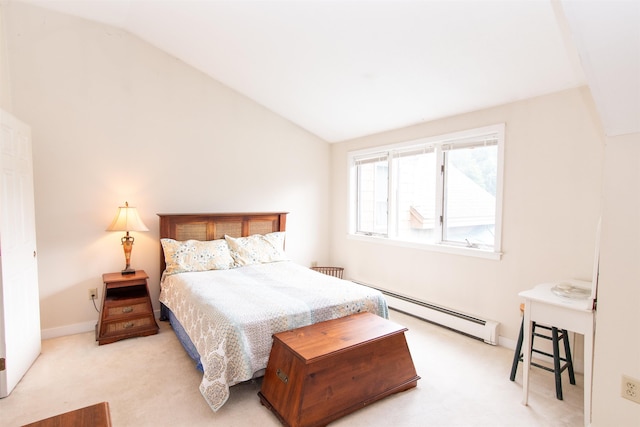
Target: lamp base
128 270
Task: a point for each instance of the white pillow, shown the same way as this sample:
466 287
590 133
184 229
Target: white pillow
196 255
257 248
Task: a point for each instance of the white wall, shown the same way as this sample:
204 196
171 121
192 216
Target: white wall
617 350
115 120
5 88
552 200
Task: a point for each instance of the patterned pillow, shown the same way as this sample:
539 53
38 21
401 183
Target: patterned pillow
196 255
257 248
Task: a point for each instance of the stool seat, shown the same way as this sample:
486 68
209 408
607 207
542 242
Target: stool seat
560 364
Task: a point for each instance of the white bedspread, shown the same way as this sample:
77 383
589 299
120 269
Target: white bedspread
231 315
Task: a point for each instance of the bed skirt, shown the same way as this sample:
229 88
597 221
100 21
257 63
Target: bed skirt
167 315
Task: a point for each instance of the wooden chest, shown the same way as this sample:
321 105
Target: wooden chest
322 372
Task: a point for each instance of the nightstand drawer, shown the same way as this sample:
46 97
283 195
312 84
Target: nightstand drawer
128 325
116 309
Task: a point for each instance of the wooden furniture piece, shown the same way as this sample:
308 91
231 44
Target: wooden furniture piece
211 226
330 271
319 373
126 308
577 315
92 416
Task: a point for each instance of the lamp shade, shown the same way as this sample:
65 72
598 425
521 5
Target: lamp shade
127 219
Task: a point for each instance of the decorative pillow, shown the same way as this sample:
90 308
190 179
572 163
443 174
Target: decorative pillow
196 255
277 240
257 248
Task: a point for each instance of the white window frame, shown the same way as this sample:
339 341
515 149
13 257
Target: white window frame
435 143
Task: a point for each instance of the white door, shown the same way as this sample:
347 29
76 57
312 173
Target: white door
19 301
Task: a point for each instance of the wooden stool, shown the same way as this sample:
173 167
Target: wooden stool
559 363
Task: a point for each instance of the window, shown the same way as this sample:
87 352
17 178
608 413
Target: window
373 192
443 191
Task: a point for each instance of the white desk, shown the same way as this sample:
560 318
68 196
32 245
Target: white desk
577 315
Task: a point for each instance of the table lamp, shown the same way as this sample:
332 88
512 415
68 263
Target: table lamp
127 220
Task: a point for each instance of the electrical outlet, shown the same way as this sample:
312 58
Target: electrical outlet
630 389
93 293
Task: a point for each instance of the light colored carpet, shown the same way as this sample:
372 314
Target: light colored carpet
151 381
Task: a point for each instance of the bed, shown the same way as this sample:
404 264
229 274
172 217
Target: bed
228 285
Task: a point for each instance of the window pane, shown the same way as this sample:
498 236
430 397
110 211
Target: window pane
470 195
415 196
372 196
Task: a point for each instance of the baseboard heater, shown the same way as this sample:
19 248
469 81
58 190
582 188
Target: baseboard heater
483 329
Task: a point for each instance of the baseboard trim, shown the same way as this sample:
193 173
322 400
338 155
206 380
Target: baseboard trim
61 331
76 328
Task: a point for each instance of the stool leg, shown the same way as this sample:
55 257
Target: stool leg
533 337
518 353
556 362
567 355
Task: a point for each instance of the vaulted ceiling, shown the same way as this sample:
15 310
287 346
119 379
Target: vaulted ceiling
345 69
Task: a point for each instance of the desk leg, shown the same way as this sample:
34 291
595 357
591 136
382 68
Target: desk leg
526 352
588 369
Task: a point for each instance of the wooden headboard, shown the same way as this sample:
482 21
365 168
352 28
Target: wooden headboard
215 225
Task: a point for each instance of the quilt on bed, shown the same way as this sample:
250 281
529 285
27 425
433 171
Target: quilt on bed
231 315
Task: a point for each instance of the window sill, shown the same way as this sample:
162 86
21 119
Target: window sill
448 249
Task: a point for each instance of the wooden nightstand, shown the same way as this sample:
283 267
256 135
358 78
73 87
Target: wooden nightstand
126 308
